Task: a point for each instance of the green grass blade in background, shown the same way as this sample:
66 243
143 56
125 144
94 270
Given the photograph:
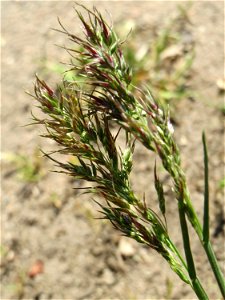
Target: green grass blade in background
206 193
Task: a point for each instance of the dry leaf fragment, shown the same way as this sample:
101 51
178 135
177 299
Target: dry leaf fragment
36 268
172 52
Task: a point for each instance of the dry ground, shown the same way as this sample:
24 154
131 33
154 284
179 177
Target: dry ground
85 258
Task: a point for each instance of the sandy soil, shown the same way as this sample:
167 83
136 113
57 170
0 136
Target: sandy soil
84 258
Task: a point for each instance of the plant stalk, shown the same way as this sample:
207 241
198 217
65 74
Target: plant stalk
215 267
196 284
209 251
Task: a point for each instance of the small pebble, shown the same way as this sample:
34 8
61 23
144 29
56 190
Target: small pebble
107 277
126 249
183 141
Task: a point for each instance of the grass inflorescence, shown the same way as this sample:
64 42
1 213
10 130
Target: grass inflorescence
79 118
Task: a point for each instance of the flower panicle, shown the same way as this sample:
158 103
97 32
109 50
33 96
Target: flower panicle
79 121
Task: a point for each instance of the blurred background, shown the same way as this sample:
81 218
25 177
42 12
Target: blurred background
52 245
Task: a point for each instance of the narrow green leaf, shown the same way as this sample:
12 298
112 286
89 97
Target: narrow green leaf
206 193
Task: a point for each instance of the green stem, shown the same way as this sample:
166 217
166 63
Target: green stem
188 209
196 285
215 267
208 250
191 213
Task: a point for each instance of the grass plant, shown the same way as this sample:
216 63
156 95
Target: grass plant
79 118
